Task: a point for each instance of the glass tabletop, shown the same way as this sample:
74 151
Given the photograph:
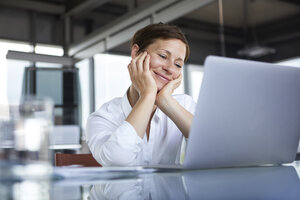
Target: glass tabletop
268 182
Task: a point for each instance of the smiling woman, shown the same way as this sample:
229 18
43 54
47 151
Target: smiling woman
147 124
166 60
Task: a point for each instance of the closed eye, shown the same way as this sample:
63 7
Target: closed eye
179 66
162 56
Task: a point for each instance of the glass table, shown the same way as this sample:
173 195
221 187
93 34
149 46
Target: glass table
268 182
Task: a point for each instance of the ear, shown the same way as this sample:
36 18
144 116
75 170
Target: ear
134 50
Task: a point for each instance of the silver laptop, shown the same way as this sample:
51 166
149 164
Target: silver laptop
248 114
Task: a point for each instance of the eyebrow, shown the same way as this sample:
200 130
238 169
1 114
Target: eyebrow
168 52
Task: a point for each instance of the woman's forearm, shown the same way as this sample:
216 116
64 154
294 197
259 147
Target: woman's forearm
141 112
178 114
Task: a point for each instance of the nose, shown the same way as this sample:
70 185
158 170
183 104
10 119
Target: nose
169 67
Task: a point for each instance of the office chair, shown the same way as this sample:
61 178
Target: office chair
85 160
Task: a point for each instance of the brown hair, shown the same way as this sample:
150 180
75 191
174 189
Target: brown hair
147 35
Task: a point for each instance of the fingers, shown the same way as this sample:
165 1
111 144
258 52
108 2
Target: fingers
129 70
177 81
133 66
172 85
139 64
139 72
147 63
179 78
139 61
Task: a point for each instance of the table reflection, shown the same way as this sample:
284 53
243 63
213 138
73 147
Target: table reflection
24 190
280 182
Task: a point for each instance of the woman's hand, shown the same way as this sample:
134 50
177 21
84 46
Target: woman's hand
140 75
176 112
165 94
145 85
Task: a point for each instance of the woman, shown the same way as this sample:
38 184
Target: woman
146 125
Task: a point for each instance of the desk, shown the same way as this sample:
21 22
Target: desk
278 182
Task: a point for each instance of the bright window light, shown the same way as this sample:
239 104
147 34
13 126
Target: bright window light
14 82
6 45
83 67
195 76
47 65
111 77
3 77
295 62
12 71
15 46
49 50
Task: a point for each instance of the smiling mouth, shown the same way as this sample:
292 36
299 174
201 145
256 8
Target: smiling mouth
162 77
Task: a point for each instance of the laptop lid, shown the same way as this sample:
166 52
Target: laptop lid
248 113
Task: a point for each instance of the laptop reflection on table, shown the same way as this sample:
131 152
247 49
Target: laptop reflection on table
281 182
232 183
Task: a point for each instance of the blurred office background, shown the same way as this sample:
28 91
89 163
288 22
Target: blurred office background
77 51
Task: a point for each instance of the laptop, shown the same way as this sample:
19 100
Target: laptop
248 114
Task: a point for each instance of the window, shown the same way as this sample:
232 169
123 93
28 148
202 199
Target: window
18 77
11 72
111 77
84 85
49 83
195 75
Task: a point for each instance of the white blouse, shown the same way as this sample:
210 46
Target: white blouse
113 141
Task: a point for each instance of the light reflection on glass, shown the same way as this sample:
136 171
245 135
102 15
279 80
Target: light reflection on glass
25 190
24 146
278 182
31 190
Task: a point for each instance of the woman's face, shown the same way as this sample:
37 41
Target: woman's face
166 60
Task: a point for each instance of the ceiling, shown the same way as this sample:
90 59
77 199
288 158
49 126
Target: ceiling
254 29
